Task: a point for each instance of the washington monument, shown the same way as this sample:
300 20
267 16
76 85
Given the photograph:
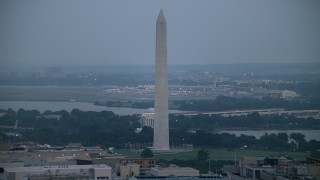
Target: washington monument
161 123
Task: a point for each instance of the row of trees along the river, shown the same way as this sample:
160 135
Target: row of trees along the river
108 129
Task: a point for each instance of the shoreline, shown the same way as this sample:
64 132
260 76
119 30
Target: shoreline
262 129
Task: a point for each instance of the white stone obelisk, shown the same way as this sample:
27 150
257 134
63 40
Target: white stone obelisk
161 122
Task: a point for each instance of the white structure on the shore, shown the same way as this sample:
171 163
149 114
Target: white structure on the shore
161 123
147 119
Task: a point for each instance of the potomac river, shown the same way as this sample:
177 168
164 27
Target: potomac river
68 106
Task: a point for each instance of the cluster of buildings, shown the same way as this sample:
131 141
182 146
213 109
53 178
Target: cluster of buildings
83 164
101 164
200 92
81 172
276 168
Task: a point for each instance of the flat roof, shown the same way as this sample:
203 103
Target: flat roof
254 166
43 168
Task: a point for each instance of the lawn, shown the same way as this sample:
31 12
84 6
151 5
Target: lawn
217 154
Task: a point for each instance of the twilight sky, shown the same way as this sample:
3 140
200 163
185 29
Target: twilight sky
123 31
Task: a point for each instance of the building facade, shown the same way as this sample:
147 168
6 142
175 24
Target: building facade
174 170
147 119
99 171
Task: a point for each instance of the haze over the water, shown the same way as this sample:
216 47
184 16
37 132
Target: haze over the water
123 32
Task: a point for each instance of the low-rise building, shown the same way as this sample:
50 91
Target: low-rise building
8 164
4 147
275 168
46 172
144 163
306 170
129 170
254 171
279 94
116 160
174 170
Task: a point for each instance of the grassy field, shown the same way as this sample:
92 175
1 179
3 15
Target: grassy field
218 154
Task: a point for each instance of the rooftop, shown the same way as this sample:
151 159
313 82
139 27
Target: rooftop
43 168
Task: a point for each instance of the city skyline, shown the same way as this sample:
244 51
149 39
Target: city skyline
122 32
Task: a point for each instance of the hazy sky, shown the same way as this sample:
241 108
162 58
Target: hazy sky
123 32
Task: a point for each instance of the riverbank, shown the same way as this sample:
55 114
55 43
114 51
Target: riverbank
69 106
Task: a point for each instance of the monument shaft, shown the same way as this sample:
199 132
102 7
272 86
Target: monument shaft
161 123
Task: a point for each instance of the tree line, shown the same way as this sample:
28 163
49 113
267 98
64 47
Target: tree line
110 130
251 121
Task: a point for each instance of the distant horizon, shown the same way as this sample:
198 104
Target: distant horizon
123 32
96 67
153 64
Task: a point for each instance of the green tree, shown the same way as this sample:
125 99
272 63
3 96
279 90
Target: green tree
203 155
299 140
146 153
297 137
